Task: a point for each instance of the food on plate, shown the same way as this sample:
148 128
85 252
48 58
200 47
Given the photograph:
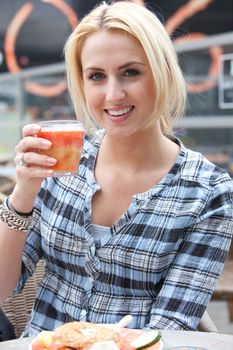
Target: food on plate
136 339
89 336
43 340
145 340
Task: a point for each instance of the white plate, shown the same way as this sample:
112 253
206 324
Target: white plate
161 344
30 345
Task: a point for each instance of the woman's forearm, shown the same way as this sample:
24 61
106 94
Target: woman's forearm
11 248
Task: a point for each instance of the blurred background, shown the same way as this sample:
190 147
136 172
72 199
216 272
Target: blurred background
32 77
33 84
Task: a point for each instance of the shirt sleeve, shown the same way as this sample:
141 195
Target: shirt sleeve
193 274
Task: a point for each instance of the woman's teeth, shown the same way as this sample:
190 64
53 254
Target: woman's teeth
120 112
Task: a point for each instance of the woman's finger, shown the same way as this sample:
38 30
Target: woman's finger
30 130
32 142
29 172
34 159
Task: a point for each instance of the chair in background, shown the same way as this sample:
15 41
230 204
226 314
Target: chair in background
224 287
206 324
17 308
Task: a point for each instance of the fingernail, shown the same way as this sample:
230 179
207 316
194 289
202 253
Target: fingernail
36 127
46 143
51 161
49 172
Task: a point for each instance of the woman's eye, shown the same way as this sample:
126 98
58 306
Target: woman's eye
131 72
96 76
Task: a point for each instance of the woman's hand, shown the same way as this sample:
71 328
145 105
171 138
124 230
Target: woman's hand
31 167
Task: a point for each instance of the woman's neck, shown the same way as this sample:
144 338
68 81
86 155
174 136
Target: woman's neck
145 150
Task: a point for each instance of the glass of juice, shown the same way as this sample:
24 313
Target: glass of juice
67 141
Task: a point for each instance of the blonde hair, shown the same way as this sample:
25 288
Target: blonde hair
142 24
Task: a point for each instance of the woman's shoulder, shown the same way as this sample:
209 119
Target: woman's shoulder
196 167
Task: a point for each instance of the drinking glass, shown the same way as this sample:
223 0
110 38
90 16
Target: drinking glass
67 141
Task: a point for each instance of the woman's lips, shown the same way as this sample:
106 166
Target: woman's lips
120 114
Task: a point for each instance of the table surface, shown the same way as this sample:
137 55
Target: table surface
207 341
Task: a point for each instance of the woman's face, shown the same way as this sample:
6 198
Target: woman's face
118 82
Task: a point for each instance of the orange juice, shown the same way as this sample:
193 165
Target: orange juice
67 141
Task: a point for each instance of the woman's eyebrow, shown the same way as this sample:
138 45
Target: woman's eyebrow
128 64
93 68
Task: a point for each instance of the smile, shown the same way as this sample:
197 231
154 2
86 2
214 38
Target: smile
119 112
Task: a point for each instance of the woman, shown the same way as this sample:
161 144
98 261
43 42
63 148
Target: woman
145 227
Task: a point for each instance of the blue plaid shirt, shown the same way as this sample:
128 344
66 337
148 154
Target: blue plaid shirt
162 259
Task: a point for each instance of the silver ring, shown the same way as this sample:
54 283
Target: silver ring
19 159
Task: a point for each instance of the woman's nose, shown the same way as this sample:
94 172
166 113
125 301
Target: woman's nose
114 91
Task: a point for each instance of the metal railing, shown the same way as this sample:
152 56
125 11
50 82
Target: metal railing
38 93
